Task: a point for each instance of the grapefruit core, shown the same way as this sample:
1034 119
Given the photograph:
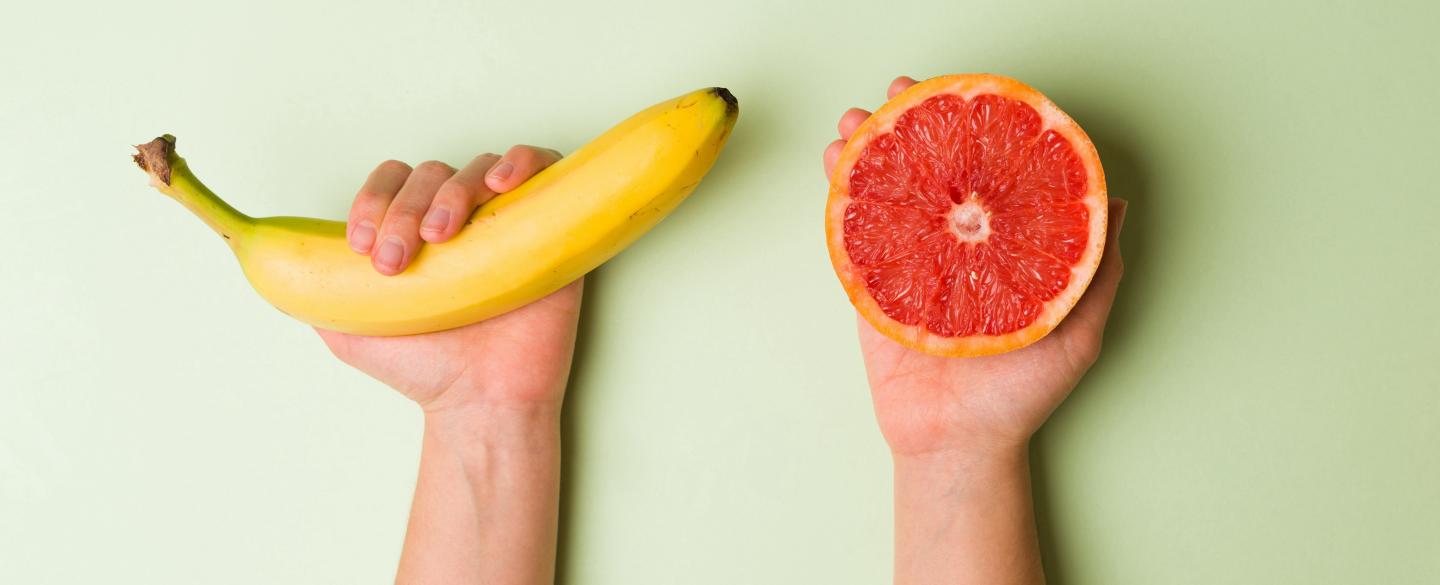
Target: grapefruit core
966 216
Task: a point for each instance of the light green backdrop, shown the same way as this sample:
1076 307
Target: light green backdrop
1265 412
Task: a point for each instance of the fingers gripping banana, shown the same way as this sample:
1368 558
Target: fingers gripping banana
519 246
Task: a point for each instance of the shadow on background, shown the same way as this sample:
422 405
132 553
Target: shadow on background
1126 177
578 393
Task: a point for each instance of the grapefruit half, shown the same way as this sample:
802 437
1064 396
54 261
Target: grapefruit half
966 216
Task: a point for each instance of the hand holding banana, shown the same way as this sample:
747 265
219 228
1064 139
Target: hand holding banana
516 247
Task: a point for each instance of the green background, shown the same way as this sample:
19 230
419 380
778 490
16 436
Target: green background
1265 411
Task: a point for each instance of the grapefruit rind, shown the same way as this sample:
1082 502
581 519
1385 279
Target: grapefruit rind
967 86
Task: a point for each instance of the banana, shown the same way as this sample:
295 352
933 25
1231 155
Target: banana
518 247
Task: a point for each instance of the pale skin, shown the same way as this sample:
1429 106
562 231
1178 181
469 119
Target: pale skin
487 500
486 503
959 429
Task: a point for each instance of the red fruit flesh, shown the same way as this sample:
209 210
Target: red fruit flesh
966 218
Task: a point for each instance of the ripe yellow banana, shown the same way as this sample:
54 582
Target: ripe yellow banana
519 246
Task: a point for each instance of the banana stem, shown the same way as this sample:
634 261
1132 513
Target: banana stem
171 175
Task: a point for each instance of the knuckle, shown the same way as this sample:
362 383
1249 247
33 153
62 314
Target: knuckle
403 215
522 152
454 192
392 166
369 201
1096 346
1084 350
533 156
487 159
434 167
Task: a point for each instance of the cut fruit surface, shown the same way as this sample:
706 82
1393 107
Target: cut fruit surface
966 216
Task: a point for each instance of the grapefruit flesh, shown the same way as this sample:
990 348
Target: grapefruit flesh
966 216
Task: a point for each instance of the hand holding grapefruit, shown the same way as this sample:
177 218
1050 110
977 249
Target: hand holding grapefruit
931 405
966 216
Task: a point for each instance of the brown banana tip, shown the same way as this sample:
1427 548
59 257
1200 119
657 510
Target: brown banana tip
732 105
154 157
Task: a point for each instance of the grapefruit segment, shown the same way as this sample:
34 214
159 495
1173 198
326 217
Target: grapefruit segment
966 216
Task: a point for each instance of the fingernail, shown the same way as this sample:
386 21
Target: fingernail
390 254
1120 221
502 171
362 238
436 221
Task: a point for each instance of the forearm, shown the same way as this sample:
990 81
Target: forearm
486 503
965 518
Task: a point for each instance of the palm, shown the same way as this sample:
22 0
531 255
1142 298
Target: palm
476 363
926 403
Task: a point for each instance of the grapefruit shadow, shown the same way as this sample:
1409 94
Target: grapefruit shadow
1126 177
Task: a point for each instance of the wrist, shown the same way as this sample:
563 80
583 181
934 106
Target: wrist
466 399
979 458
972 447
522 425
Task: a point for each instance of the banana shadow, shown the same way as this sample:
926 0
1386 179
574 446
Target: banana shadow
1126 177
